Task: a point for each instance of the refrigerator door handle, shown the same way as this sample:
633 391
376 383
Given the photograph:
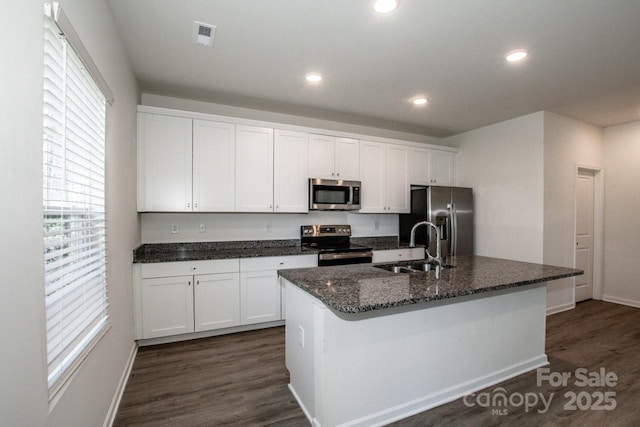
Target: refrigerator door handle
454 230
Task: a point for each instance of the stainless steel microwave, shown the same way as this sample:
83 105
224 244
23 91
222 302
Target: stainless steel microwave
334 195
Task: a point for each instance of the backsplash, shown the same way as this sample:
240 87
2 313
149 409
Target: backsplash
157 227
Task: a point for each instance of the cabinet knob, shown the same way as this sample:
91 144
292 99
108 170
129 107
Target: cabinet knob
193 268
188 205
197 282
338 174
333 174
189 282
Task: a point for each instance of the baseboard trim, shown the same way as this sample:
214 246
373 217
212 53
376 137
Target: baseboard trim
211 333
623 301
313 421
561 308
122 384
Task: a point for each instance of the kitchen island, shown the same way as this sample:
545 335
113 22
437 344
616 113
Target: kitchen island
366 346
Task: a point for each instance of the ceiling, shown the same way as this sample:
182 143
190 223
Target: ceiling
584 58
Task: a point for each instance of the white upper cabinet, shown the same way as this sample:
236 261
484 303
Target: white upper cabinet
254 169
333 158
442 167
432 167
419 166
384 174
187 163
397 178
290 183
372 193
347 159
213 166
164 163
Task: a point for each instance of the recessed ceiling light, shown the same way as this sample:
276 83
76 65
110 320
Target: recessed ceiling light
385 6
516 55
313 77
419 100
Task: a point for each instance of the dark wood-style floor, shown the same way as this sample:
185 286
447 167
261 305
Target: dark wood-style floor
241 380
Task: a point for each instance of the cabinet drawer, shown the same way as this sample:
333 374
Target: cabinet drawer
182 268
398 255
278 263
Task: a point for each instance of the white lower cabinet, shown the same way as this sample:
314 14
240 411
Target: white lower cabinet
260 296
176 298
215 301
404 254
261 290
167 306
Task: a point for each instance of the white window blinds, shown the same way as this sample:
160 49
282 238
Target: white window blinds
73 208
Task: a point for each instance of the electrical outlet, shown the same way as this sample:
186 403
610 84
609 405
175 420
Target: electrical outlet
174 228
268 226
376 225
300 336
203 228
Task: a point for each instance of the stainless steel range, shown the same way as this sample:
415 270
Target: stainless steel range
334 245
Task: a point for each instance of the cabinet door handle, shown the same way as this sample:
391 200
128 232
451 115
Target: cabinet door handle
189 282
197 282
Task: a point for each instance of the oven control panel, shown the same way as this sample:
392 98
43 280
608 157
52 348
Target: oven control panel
325 230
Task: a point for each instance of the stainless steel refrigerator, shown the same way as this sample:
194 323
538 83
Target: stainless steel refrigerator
450 209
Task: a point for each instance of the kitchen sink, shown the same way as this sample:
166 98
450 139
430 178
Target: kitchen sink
414 267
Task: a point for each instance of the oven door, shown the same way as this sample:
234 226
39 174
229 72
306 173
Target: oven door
325 194
344 258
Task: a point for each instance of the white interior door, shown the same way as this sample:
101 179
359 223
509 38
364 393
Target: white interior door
584 233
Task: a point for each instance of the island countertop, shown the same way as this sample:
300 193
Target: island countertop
364 287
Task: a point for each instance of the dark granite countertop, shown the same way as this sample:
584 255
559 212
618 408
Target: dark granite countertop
170 252
197 251
363 287
381 243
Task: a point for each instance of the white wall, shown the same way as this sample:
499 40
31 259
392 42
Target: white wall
504 165
23 394
156 227
153 100
567 143
622 222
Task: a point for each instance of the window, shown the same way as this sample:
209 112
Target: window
74 116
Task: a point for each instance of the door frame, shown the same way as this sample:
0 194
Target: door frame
598 227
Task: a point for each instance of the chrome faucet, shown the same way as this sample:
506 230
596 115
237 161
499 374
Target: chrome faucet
412 244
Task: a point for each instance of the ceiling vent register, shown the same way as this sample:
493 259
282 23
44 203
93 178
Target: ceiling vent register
203 34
